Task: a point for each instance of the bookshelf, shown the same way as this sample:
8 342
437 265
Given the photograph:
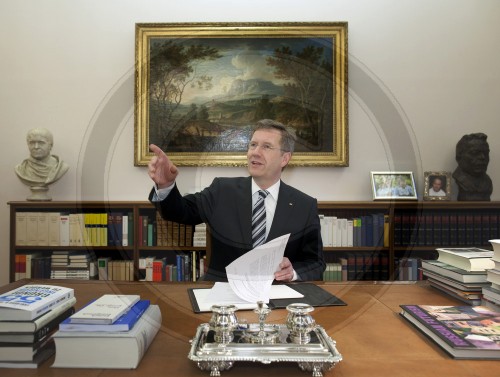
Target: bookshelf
413 230
107 238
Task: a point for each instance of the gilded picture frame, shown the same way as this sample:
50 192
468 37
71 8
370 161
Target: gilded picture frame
393 185
437 185
200 87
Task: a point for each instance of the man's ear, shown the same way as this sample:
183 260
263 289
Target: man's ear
285 159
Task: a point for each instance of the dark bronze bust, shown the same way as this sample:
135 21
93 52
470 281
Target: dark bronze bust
473 156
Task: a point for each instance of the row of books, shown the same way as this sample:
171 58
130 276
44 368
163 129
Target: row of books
155 231
74 229
29 317
368 230
109 269
445 229
371 266
99 229
56 265
188 266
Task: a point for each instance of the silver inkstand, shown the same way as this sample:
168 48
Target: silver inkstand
218 344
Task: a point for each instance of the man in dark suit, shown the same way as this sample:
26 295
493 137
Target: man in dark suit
226 207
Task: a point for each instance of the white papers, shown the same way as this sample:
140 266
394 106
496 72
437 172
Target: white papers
250 279
251 275
222 294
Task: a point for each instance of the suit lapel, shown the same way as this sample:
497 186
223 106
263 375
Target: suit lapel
245 209
284 211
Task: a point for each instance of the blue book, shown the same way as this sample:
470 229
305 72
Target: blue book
124 323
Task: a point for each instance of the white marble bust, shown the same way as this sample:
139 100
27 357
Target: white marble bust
42 168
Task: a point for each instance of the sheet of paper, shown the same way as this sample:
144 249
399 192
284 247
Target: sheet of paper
222 294
251 275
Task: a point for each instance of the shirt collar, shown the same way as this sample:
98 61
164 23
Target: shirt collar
273 190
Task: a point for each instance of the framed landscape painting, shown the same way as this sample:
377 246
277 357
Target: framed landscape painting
394 185
200 87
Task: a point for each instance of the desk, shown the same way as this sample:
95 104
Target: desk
372 338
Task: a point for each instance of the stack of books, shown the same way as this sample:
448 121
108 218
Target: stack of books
73 265
491 293
113 331
460 272
29 316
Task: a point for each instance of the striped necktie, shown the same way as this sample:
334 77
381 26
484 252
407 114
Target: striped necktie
259 219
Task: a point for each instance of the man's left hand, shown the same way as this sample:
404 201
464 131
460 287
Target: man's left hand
285 272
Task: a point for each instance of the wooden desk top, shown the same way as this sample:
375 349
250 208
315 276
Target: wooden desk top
372 338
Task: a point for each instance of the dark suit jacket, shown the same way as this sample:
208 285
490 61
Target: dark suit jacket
226 207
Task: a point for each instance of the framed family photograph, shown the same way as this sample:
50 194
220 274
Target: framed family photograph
397 185
200 88
437 185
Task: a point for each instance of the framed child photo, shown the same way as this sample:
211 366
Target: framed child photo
437 185
397 185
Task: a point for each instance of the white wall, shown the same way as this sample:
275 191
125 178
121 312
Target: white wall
421 75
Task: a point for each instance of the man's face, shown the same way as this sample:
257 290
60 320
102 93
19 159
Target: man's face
436 185
39 147
475 158
265 157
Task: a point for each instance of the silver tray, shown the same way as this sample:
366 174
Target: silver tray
318 355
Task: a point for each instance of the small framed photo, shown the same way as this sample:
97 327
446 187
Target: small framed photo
437 185
398 185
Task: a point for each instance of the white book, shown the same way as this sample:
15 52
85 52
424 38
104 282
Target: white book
343 231
467 258
149 268
54 232
350 233
105 310
21 228
125 230
336 235
118 350
43 229
64 236
31 301
31 228
326 232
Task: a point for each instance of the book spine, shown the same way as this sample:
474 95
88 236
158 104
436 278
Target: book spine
53 324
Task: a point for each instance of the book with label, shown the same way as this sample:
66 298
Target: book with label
105 310
467 258
33 331
22 351
125 323
118 350
452 272
464 332
41 355
31 301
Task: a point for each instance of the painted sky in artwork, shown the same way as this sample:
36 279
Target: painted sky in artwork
243 59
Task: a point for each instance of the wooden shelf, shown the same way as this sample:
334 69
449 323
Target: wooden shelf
402 237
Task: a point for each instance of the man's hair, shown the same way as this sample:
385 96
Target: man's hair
464 142
287 135
40 132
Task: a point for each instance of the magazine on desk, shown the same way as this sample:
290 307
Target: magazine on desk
465 332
